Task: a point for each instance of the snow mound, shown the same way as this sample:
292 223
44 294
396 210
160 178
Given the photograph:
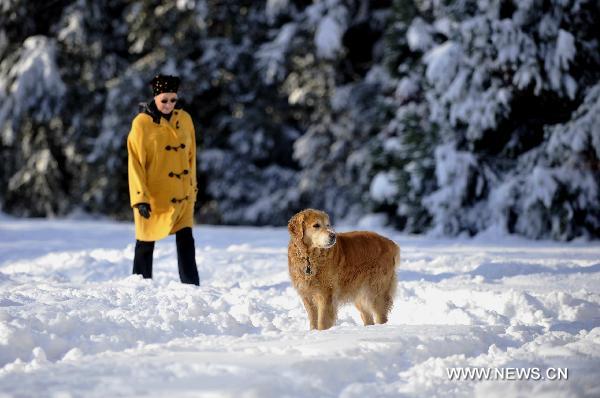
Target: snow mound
74 321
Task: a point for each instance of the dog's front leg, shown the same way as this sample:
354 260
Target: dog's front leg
311 311
326 311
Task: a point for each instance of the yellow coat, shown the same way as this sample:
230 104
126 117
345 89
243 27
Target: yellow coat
162 172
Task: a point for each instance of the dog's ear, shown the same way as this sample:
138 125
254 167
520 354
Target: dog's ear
296 227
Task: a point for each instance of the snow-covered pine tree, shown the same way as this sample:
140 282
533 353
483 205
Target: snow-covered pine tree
403 150
33 146
457 116
100 101
556 192
247 129
338 90
498 75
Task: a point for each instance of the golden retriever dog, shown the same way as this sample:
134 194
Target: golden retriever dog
329 269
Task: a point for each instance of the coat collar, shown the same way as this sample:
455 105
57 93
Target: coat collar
150 108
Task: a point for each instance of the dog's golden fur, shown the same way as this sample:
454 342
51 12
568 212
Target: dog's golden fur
329 269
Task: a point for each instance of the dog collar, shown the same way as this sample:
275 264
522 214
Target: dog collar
308 269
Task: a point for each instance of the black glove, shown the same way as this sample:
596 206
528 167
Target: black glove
144 209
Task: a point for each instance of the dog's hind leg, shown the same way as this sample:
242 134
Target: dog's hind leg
384 301
383 304
365 314
365 310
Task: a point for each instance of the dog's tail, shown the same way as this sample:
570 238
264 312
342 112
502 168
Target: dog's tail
397 256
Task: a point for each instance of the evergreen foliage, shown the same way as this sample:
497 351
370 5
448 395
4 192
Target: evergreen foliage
454 117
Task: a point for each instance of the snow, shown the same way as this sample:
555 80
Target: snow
454 170
271 55
559 62
275 7
442 64
74 322
382 187
407 89
72 29
418 35
328 38
185 5
584 127
33 82
565 49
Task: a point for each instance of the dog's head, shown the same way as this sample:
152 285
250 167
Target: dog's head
312 229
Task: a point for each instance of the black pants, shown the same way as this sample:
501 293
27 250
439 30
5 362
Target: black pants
186 257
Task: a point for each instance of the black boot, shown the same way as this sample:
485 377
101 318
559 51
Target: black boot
142 261
186 257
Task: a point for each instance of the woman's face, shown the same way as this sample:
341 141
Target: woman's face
165 102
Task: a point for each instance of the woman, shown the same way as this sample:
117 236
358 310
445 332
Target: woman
162 178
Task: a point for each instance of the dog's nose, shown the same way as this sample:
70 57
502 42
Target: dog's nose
331 236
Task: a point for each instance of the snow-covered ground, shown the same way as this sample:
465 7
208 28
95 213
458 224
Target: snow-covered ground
74 322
